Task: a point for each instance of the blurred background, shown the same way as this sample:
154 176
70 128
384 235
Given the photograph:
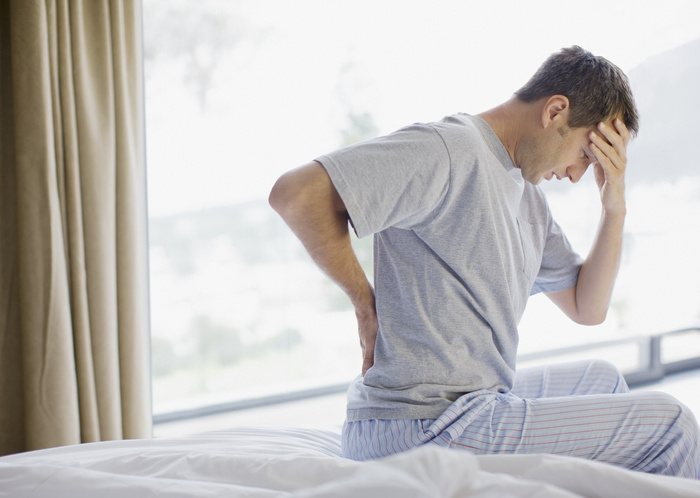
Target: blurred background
238 92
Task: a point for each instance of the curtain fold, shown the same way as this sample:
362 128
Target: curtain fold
73 267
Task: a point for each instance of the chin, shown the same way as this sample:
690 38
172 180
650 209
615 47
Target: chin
535 181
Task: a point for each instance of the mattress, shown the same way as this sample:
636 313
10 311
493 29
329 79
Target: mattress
304 462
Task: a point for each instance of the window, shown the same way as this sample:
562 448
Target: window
237 92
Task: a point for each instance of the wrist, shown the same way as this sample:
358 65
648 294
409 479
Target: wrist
614 215
612 223
364 302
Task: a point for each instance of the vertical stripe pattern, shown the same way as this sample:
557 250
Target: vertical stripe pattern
582 409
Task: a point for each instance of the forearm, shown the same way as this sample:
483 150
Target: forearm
588 301
597 275
311 207
327 240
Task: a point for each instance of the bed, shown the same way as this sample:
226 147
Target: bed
303 462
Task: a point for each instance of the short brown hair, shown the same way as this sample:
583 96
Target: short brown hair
597 89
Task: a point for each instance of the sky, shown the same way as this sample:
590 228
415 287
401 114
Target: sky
295 69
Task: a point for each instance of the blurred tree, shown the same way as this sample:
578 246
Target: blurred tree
196 37
163 357
216 344
360 126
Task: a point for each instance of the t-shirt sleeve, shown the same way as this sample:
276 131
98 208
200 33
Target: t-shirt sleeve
560 263
393 181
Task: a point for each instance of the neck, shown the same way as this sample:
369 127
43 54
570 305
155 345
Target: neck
509 122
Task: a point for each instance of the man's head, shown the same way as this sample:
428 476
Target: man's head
597 90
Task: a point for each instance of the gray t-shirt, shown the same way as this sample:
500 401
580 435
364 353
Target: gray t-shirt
460 242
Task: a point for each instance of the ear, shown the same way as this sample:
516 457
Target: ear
555 110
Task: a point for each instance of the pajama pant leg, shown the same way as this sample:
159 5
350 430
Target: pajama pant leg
582 409
569 410
566 379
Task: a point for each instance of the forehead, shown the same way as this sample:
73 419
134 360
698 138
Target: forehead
581 135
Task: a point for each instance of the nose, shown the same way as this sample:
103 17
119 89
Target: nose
575 172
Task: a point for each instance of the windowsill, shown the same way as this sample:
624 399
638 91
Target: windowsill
329 411
323 411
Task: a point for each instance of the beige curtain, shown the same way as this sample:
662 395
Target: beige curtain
74 338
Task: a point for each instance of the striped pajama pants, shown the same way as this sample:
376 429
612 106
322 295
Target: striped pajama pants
581 409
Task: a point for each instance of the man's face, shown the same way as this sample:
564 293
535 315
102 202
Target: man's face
560 152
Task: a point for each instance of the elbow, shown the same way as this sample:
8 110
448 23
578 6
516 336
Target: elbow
276 197
295 189
305 197
591 318
303 191
579 306
282 196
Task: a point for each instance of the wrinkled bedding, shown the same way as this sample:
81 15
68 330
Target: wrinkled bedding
296 462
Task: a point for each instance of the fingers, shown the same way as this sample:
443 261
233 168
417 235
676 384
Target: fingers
367 356
610 144
367 342
623 131
368 327
366 365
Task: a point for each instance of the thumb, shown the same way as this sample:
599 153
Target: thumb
599 173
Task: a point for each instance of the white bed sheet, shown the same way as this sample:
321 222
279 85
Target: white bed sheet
296 462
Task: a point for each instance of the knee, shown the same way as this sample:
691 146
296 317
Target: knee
674 410
687 422
683 433
605 367
609 375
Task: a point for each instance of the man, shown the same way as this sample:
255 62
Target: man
462 237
